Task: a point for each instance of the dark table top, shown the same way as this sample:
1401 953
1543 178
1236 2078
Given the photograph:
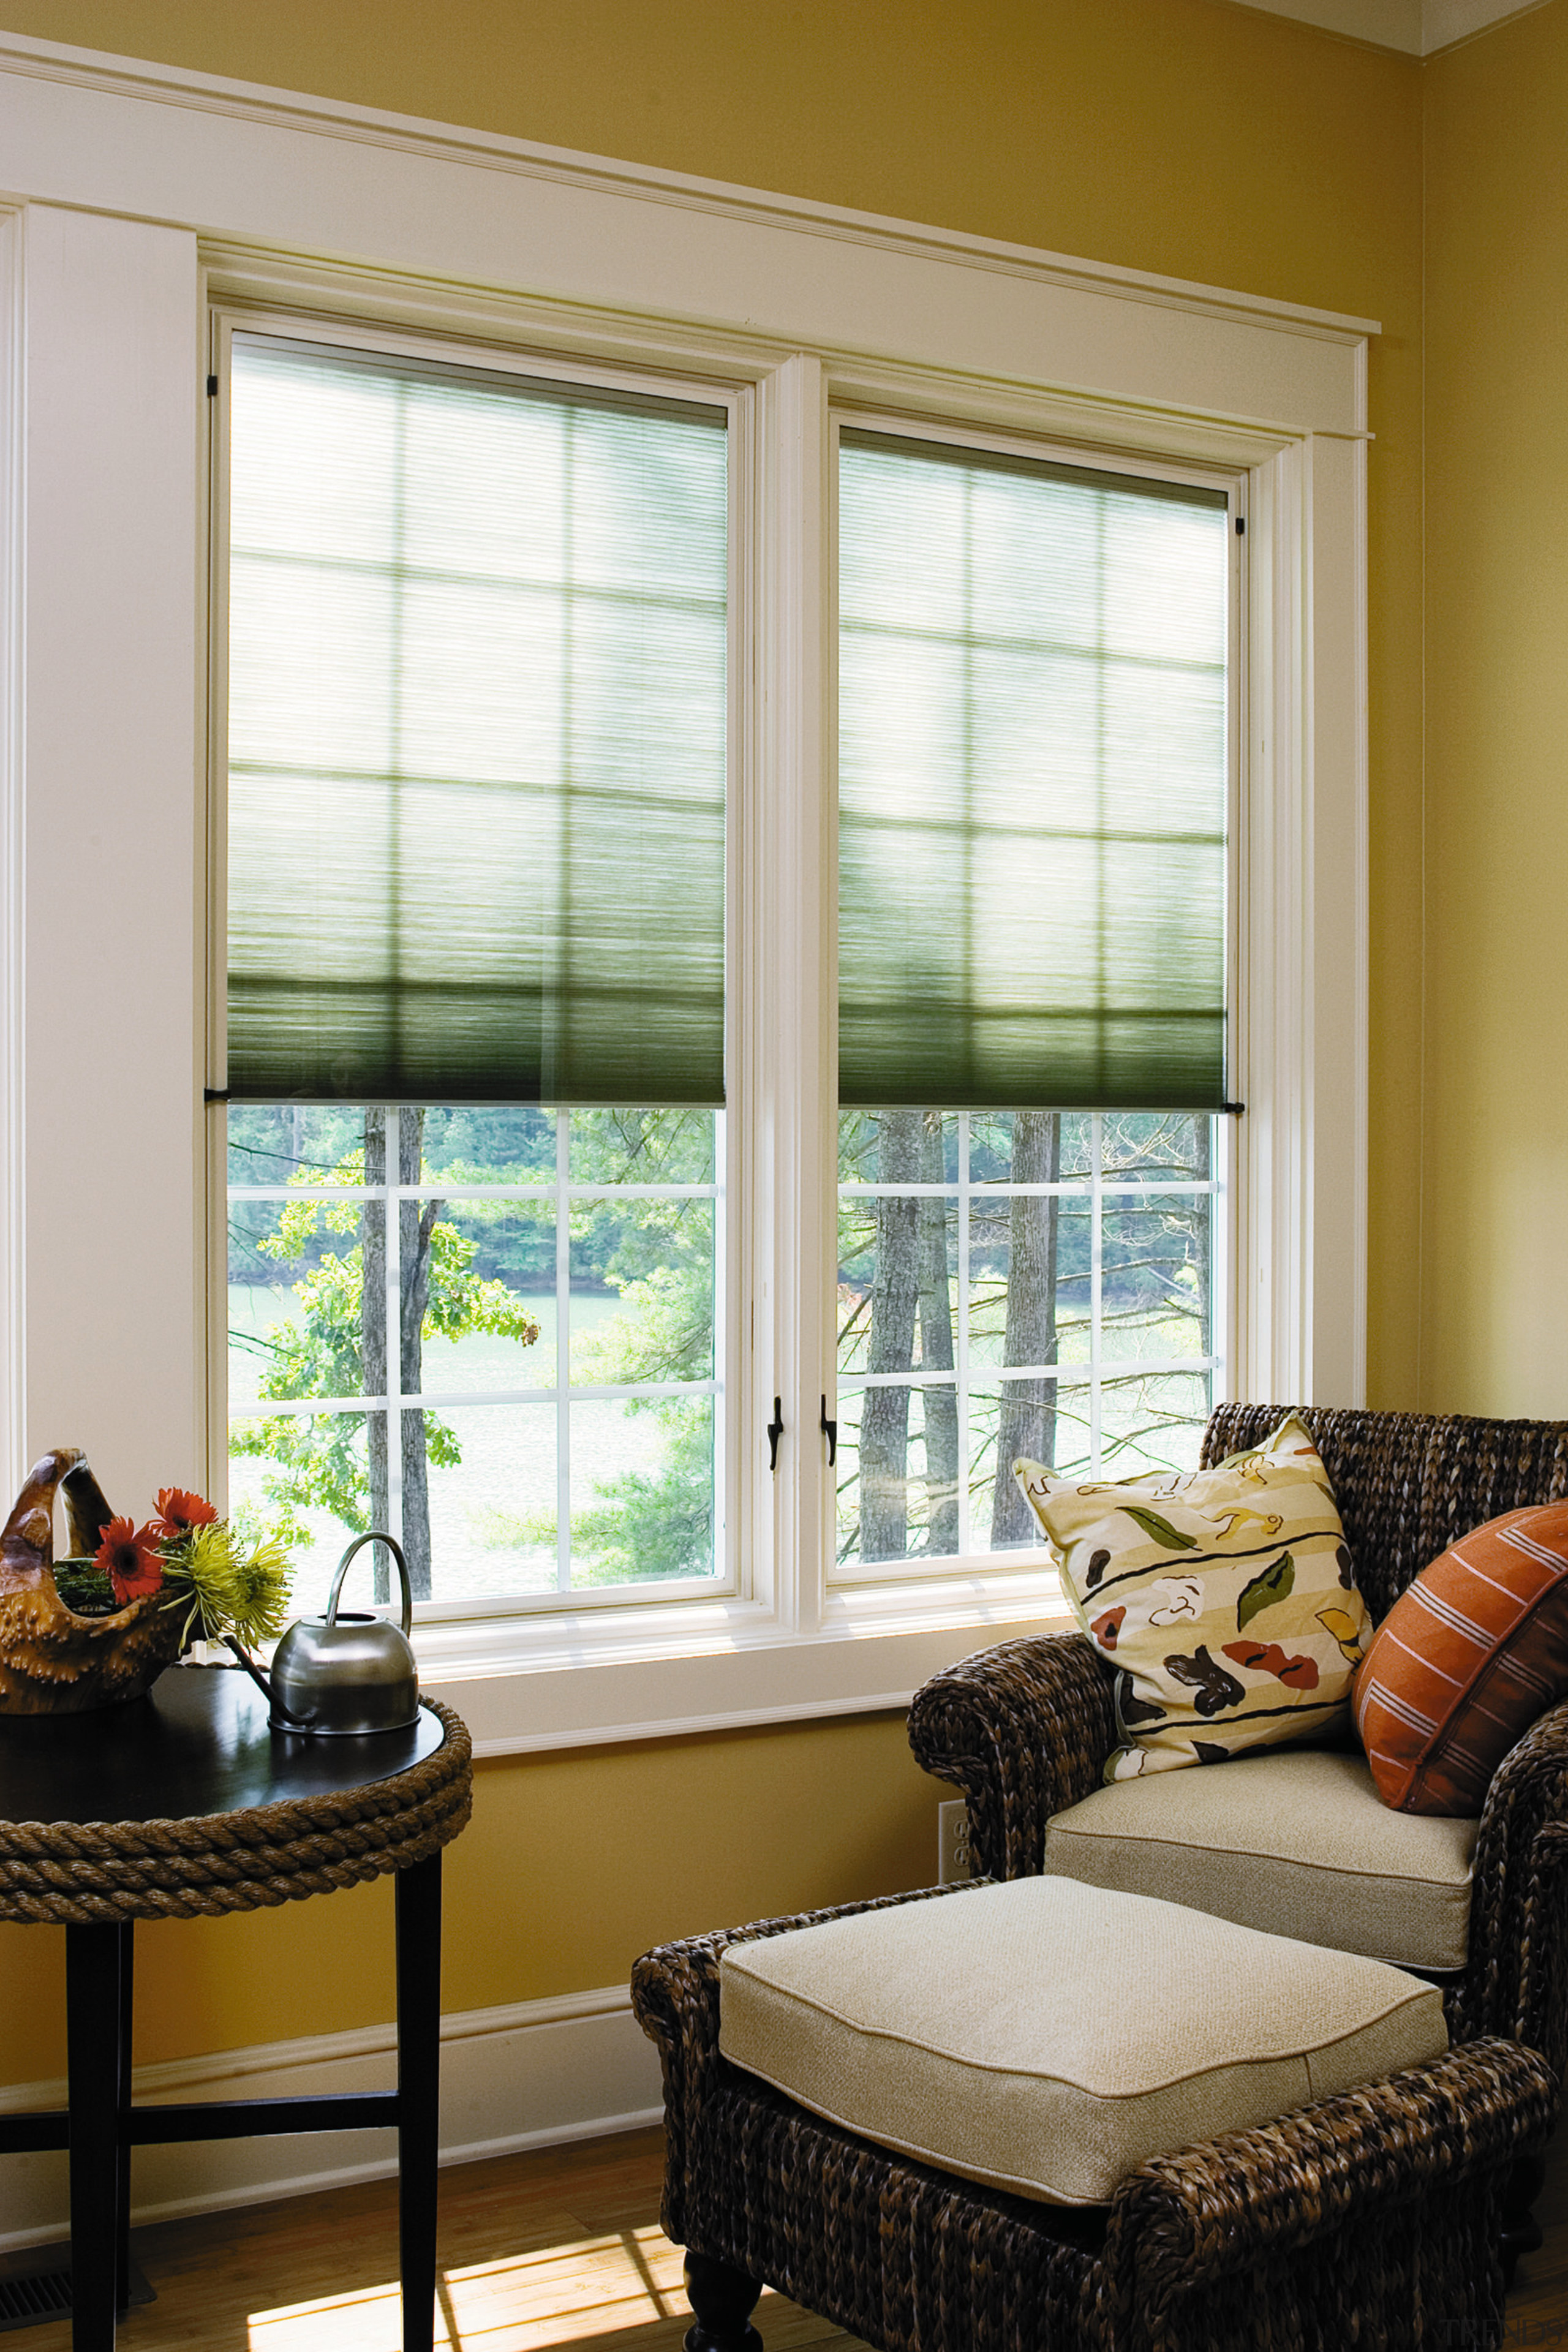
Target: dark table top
198 1743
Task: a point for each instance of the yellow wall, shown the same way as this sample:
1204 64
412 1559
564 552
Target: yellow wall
572 1866
1184 136
1496 1218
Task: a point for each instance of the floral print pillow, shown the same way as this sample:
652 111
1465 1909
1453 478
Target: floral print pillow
1225 1598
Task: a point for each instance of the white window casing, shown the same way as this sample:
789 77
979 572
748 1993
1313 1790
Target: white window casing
138 197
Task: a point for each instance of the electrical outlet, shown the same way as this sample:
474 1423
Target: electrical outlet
953 1863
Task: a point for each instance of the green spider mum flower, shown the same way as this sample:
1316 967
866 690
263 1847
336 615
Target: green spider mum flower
233 1582
261 1581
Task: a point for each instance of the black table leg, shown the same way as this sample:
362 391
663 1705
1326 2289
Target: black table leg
418 2088
93 1982
125 1933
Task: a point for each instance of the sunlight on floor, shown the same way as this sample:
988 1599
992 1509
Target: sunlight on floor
550 2296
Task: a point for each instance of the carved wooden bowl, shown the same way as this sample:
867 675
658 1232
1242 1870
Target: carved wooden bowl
52 1661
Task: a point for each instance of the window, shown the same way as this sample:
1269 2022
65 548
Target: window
1029 1282
550 1424
477 684
1034 731
478 1165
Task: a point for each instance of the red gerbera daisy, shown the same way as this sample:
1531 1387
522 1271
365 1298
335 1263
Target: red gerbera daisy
178 1512
131 1560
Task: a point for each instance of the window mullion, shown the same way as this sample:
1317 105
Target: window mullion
788 1017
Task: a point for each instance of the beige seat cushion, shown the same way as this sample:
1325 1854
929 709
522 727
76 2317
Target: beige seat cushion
1049 2038
1296 1843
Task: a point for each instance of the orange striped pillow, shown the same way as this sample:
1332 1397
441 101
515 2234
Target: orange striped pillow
1467 1658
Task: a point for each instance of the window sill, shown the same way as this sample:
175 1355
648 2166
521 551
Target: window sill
671 1670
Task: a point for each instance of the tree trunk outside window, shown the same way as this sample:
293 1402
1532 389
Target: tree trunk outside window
372 1333
1027 1423
936 1349
416 1222
895 1298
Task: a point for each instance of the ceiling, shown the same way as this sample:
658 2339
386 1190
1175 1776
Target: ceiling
1417 26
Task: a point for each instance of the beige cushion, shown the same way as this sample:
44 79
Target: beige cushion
1224 1598
1049 2038
1294 1841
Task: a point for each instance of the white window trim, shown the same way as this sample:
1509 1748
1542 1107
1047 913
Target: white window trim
137 192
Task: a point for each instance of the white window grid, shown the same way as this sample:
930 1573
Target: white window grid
1091 1374
560 1192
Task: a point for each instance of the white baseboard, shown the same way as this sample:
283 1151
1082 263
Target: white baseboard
531 2073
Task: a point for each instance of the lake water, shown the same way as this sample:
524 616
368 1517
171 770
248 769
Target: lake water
493 1517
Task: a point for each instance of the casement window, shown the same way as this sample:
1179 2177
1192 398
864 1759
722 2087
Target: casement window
1034 788
478 656
479 642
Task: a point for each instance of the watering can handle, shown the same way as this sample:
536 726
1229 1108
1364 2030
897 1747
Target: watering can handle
395 1548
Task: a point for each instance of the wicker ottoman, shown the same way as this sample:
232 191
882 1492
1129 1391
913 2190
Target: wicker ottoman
1367 2216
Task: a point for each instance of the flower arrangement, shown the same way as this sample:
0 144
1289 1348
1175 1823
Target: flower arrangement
229 1575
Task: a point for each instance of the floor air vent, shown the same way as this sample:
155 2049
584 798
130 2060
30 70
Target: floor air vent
43 2291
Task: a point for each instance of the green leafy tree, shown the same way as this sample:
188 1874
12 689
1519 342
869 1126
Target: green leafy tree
337 1460
459 1269
659 1524
658 1255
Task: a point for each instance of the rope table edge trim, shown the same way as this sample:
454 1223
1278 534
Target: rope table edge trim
95 1874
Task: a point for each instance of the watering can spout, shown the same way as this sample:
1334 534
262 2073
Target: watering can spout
280 1714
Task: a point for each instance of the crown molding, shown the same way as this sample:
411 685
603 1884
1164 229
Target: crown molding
279 109
1445 23
1418 27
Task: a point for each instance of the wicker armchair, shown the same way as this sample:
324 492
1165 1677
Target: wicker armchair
1024 1729
1389 2215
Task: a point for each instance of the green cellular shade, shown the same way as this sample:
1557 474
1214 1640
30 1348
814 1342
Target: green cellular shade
1032 783
477 736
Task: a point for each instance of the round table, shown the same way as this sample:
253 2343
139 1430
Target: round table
187 1804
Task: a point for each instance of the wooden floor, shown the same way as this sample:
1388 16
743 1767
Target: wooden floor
558 2249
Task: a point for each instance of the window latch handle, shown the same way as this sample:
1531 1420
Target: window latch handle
830 1430
776 1430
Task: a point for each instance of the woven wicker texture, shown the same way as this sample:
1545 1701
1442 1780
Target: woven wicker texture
1024 1729
1371 2218
1407 1484
93 1874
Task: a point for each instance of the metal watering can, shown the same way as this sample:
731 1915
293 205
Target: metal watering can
341 1674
